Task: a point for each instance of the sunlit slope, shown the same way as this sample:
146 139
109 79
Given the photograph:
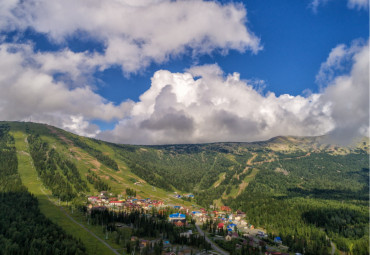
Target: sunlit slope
157 171
68 146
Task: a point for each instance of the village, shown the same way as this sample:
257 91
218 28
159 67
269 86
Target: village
221 225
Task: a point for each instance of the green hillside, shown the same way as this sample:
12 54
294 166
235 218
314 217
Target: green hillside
303 189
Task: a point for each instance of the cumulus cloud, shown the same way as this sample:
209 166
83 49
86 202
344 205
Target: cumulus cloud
339 61
29 91
352 4
136 33
206 105
216 107
348 95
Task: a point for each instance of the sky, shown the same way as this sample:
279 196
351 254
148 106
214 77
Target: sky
167 72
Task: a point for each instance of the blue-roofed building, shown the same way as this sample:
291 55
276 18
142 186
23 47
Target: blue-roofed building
231 227
177 217
277 240
177 207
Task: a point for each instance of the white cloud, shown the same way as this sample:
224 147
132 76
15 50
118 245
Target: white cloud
29 90
349 96
338 61
136 33
178 108
358 4
352 4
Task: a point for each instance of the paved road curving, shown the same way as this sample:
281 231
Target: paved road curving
213 245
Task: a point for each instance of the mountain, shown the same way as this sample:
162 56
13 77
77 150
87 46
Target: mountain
303 189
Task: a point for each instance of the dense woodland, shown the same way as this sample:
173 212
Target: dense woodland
23 228
96 181
58 174
151 225
186 167
321 196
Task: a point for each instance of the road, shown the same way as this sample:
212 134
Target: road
213 245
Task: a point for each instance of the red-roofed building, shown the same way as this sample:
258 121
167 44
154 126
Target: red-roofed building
225 209
179 224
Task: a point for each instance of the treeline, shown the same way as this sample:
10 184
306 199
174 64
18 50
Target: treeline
65 183
9 177
23 228
96 181
130 192
104 159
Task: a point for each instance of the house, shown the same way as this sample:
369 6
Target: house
179 224
187 234
231 227
92 199
225 209
178 219
228 238
278 240
167 244
240 214
235 235
196 213
115 203
144 243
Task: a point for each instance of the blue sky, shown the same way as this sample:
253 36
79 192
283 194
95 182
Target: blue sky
296 40
98 75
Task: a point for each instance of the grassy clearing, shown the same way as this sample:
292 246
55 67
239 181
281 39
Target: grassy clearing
30 180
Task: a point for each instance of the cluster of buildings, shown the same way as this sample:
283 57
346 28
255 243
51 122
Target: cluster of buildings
106 201
227 220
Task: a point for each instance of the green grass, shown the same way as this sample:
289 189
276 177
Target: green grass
122 180
30 180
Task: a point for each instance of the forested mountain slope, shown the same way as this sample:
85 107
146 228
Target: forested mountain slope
303 189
